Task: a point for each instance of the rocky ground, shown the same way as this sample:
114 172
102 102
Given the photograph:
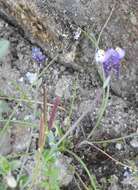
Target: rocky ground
17 70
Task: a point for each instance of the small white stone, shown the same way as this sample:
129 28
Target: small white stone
21 79
134 143
28 117
66 121
118 146
31 77
63 88
133 19
11 182
77 34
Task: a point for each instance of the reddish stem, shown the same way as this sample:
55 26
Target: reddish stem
53 112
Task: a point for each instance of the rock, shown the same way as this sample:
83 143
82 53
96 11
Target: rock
21 138
10 180
8 76
32 77
117 120
53 25
4 108
63 87
118 146
21 79
5 143
130 183
39 22
134 142
114 183
65 174
133 18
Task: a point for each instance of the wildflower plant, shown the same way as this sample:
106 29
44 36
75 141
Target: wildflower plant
110 60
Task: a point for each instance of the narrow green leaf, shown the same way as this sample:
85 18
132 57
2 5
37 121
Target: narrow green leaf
4 166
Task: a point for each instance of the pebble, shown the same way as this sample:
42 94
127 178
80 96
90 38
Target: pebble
77 34
31 77
21 136
65 174
5 143
134 143
21 79
63 88
133 19
11 182
118 146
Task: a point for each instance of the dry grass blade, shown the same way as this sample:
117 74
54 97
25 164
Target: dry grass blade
106 154
29 100
105 24
41 140
43 121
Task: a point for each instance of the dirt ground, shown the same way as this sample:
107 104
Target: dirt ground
121 117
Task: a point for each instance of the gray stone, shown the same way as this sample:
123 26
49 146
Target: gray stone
63 87
114 183
5 143
21 138
32 77
134 142
66 174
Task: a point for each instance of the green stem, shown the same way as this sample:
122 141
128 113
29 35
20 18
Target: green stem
92 180
36 170
102 110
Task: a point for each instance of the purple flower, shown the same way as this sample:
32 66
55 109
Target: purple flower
111 60
37 55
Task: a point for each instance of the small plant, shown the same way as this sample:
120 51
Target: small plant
7 168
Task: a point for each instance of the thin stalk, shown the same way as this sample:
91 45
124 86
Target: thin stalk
29 101
72 104
113 159
6 126
115 139
102 110
78 176
19 121
93 185
91 38
77 184
36 95
36 170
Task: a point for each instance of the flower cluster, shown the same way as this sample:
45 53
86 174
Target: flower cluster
37 55
111 60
